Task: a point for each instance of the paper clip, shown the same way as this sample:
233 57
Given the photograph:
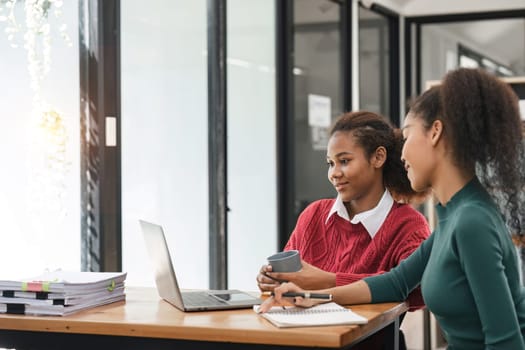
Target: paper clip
111 286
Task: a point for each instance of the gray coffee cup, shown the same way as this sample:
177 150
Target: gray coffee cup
287 261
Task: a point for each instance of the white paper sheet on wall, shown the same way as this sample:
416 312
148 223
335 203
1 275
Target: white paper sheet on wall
319 111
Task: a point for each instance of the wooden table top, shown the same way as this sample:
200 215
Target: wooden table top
144 314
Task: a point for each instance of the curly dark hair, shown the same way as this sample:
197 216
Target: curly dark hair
371 131
481 121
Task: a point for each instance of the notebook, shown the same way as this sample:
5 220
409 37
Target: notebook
167 285
329 314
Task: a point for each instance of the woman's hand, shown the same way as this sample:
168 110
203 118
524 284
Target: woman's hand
264 282
309 277
278 299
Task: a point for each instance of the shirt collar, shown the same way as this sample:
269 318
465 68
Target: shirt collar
339 208
371 219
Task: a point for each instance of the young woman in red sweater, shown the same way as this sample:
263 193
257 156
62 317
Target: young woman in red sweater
368 228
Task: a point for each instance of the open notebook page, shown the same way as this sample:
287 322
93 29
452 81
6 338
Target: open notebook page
328 314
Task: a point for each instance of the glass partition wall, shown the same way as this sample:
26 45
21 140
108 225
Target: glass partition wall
164 135
318 98
374 62
251 170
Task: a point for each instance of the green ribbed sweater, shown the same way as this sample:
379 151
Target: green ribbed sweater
468 273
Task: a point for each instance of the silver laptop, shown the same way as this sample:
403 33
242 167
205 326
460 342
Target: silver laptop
168 287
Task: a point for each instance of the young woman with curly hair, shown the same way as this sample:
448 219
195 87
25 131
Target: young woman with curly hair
463 140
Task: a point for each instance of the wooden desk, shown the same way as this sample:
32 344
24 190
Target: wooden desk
146 322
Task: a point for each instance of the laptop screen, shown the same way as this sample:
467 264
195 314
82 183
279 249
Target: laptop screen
167 285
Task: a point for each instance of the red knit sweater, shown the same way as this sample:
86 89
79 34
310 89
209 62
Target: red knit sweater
348 250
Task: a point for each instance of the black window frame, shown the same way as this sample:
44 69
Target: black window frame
100 165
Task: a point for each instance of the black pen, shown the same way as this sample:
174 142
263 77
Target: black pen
307 295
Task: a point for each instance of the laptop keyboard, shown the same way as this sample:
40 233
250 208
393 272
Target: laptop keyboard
200 299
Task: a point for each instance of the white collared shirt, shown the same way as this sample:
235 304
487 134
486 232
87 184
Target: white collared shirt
371 219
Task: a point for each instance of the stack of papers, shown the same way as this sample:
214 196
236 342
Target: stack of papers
61 293
328 314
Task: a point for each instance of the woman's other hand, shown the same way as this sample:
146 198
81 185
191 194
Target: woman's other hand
278 299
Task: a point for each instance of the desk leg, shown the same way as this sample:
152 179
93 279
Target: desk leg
396 333
427 341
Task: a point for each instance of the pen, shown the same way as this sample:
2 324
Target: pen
307 295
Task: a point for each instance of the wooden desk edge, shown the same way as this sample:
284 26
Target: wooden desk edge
260 333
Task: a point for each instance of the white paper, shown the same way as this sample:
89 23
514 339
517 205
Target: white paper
522 109
319 110
319 138
111 131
